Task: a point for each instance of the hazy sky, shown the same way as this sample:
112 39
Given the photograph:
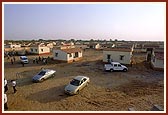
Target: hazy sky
85 21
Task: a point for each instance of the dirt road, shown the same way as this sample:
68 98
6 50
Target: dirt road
140 87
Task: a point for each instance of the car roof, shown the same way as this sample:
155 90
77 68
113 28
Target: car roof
80 77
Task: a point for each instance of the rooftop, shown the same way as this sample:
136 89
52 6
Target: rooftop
119 49
71 50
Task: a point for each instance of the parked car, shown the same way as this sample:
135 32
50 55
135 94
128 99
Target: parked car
43 74
24 59
115 66
76 84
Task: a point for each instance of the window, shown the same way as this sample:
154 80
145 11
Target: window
70 55
119 65
121 57
108 56
56 54
75 82
115 65
41 50
31 49
84 79
36 50
76 54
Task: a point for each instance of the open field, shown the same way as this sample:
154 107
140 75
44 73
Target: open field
140 87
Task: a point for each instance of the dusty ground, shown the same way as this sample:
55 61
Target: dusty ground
140 87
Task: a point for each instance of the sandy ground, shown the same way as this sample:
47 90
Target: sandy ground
140 87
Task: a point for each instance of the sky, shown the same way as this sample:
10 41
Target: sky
122 21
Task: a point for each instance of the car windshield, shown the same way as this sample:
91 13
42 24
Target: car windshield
24 58
42 73
75 82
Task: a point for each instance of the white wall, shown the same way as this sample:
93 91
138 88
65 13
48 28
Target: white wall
13 46
45 50
64 56
61 55
115 56
158 63
97 46
73 54
34 50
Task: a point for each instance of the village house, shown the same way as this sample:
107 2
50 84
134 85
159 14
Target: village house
94 46
13 46
122 55
157 59
67 54
107 46
39 49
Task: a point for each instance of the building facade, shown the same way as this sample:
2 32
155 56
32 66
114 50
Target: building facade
121 55
67 55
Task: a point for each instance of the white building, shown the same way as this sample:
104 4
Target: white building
12 46
157 59
94 46
121 55
39 49
67 55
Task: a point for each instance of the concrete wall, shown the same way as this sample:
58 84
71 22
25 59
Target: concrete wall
115 56
38 50
65 57
97 46
61 55
73 54
45 50
157 63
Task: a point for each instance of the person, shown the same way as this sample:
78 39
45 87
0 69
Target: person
23 64
36 60
14 58
33 60
12 61
39 58
5 85
5 102
14 85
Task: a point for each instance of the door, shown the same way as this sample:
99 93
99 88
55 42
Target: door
108 58
119 67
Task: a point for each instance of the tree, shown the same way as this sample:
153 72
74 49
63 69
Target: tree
115 40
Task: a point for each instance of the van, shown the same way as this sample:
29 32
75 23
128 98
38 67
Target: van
115 66
24 59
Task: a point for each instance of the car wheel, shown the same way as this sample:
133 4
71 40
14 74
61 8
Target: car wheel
77 92
42 79
124 70
111 70
53 75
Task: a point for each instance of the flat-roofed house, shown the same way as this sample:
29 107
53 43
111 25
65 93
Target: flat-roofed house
39 49
157 59
12 45
94 46
122 55
67 55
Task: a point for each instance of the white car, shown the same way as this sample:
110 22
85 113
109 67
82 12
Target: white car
24 59
43 74
77 84
115 66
